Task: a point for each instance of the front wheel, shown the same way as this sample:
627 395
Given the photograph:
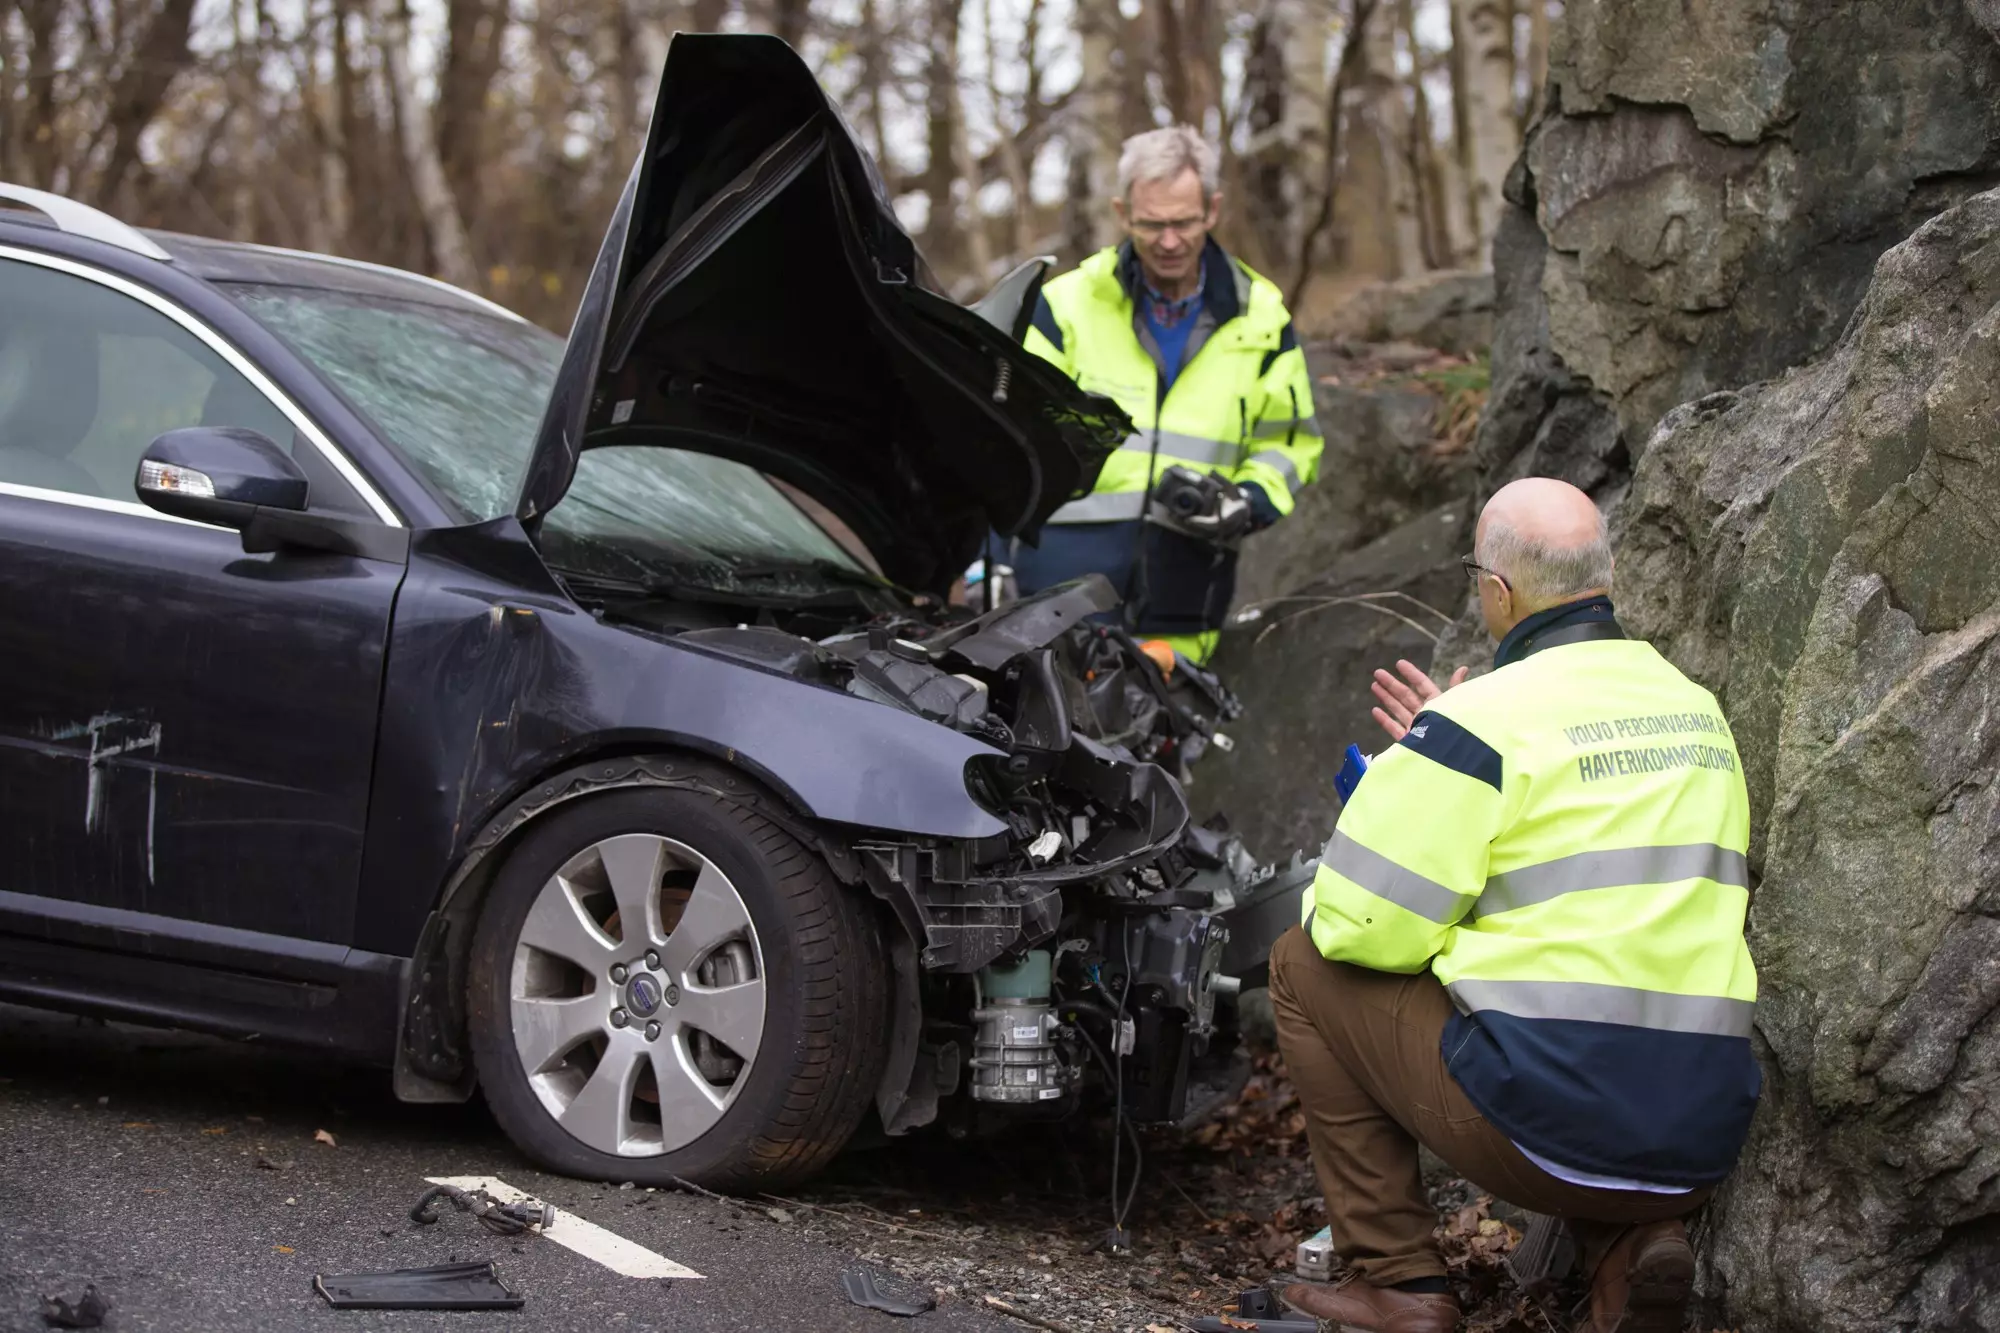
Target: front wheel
665 984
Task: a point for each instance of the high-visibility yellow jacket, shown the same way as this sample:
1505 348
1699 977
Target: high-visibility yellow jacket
1241 407
1562 842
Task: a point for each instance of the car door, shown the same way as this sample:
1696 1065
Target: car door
186 731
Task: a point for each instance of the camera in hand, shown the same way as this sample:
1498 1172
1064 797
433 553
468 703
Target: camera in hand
1188 494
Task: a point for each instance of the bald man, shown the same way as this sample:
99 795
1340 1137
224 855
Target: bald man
1524 948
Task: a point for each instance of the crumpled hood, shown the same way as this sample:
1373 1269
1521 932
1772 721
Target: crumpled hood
755 298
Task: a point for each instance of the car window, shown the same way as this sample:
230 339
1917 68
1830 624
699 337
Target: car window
459 394
641 511
89 377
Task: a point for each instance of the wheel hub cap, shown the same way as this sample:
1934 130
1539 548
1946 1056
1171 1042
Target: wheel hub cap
643 995
637 995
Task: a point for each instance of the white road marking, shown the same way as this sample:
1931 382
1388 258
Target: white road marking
588 1239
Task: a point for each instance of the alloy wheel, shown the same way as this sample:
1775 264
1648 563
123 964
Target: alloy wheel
637 995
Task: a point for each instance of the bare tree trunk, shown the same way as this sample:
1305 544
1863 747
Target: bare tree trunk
1437 244
443 225
1284 86
789 21
158 58
875 79
1491 133
1091 132
474 30
1538 61
13 97
1013 160
1350 58
1383 226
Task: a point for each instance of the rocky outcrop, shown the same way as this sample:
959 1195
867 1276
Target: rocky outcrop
1824 552
1389 415
1450 310
1704 201
1302 665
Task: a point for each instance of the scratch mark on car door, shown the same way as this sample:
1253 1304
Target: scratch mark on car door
112 736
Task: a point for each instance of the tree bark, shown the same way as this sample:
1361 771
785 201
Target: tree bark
1538 61
1383 227
1423 156
1491 136
789 21
474 30
443 226
1350 58
158 58
1091 132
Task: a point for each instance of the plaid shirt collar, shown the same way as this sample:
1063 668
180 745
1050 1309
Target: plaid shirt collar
1168 314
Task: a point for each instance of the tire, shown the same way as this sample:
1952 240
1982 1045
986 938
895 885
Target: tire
808 952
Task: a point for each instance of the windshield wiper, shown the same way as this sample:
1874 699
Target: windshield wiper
821 568
737 584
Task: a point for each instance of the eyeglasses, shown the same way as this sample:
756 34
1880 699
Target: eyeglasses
1154 228
1473 569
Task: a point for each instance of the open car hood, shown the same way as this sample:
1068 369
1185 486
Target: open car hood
755 298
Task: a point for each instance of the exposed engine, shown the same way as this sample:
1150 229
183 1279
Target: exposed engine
1100 942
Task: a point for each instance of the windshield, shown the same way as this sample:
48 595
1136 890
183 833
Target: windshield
460 394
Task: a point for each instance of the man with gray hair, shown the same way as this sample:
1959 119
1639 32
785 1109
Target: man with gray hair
1524 948
1201 354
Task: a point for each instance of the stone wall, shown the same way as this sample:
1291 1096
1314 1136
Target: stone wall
1824 552
1702 204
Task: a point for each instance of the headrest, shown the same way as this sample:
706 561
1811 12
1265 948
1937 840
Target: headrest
48 389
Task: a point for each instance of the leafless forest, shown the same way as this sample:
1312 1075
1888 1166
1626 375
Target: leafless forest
485 141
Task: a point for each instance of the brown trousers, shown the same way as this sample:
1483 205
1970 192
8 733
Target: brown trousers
1362 1049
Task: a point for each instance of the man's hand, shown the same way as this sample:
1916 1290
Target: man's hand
1403 699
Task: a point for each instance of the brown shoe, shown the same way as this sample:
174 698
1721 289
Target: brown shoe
1353 1306
1643 1283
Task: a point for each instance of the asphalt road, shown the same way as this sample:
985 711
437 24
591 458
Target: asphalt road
183 1177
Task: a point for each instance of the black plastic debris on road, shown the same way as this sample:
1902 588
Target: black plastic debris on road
88 1312
1259 1309
445 1287
862 1288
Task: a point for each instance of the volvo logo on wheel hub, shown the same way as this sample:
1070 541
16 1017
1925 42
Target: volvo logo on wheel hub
643 996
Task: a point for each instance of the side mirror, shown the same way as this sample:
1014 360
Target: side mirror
219 474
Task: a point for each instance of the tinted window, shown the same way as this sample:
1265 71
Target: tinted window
89 377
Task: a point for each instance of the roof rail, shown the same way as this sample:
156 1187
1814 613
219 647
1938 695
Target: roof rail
75 219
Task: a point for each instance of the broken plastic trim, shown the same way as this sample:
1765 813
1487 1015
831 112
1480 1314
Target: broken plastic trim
861 1287
502 1219
445 1287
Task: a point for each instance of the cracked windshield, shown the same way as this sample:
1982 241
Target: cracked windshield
461 395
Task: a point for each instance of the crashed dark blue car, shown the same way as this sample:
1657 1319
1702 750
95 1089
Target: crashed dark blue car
588 722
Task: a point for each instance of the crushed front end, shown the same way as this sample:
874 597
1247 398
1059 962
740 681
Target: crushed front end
1098 944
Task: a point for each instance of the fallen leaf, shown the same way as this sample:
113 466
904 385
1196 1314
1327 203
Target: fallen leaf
219 1129
1161 1328
140 1124
321 1136
1231 1321
284 1249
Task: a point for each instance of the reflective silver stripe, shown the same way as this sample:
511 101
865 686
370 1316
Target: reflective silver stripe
1194 448
1612 869
1281 428
1586 1002
1385 879
1271 458
1112 507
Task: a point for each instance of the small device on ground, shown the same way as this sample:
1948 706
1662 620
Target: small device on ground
1314 1261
